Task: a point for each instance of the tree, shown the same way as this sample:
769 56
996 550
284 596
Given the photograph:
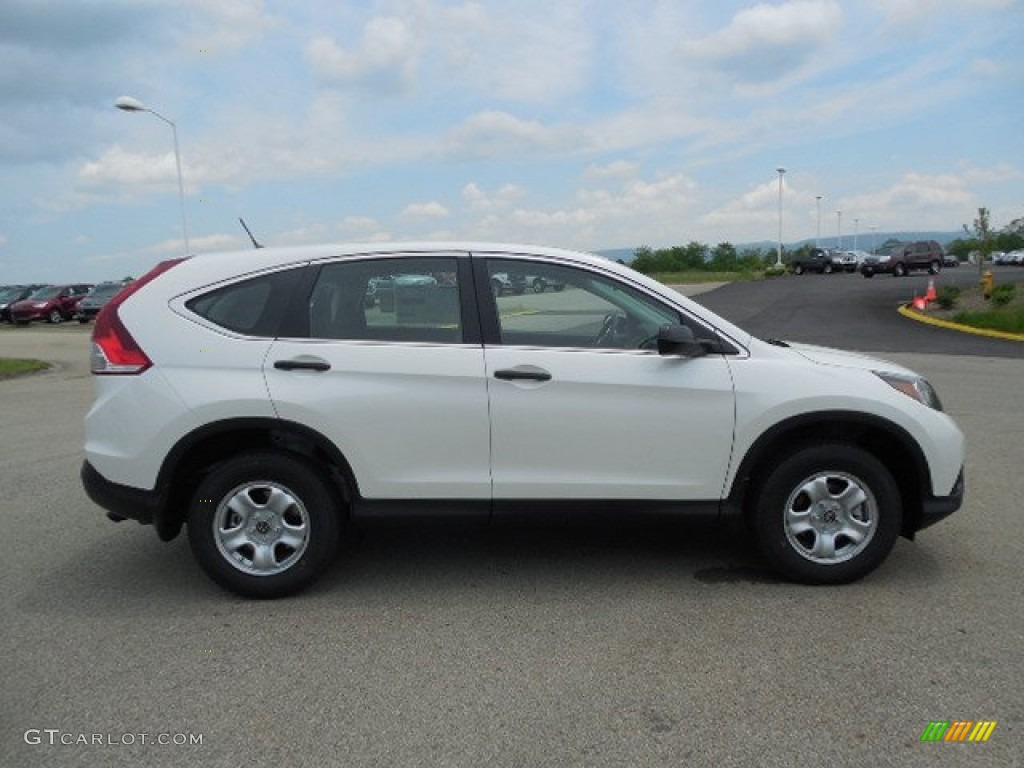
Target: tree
983 233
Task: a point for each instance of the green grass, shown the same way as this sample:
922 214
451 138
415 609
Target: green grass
1006 319
700 276
14 366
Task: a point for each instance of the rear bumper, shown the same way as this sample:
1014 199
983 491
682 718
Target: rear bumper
122 502
936 508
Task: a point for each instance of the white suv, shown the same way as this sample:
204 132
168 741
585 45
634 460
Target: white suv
261 400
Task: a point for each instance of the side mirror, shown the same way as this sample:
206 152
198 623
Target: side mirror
679 340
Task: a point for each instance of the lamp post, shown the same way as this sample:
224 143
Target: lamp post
778 255
817 236
839 229
855 223
874 232
128 104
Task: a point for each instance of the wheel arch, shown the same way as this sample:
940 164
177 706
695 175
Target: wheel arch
195 453
889 442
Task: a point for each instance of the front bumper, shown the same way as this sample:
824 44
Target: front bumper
936 508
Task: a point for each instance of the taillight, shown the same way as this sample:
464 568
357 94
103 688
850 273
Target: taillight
114 350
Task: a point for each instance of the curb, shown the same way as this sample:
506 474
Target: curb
906 311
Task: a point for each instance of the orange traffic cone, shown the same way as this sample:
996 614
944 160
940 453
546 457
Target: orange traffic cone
920 303
931 295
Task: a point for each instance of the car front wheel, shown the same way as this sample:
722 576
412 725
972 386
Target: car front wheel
827 514
264 524
55 316
798 269
899 271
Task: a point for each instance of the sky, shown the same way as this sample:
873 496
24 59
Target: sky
586 124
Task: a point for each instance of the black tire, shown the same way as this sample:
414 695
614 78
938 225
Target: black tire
539 285
934 268
793 528
559 287
899 270
868 274
827 269
55 317
798 269
283 513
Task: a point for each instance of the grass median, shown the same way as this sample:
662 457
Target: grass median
18 366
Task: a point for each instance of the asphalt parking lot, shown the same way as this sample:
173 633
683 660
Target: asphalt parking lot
526 647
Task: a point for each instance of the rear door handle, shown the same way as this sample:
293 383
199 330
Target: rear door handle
523 373
303 363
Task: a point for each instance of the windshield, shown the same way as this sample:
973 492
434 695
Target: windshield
105 290
46 292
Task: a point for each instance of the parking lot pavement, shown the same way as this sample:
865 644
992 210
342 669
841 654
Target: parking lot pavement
514 648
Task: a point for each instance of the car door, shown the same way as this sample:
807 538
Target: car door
583 406
385 365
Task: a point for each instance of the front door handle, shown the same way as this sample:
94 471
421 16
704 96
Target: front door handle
523 373
303 363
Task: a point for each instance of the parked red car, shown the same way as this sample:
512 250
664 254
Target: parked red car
53 303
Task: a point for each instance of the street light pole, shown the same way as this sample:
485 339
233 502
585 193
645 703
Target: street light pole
874 232
817 236
855 223
128 104
778 255
839 230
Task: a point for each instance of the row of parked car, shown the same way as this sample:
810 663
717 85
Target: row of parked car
1015 258
23 304
899 261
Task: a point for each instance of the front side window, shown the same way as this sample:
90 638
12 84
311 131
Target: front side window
408 299
585 310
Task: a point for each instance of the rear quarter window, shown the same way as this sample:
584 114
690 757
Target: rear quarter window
253 307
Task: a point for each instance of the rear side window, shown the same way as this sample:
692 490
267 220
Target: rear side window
414 299
252 307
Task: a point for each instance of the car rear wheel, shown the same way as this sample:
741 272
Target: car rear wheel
826 514
899 270
934 267
55 316
538 285
264 524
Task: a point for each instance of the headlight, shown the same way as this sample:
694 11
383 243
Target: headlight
912 386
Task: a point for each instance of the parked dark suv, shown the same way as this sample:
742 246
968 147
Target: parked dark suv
921 255
817 260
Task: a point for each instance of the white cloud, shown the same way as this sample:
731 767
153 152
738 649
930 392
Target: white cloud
768 41
385 59
226 25
530 52
911 12
429 210
494 133
481 201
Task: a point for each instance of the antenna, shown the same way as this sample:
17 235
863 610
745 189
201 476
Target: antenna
254 243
